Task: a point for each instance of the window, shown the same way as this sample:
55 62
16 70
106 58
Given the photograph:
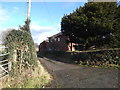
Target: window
47 40
50 40
58 39
55 39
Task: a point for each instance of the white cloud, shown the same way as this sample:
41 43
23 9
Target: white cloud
39 28
41 36
3 19
40 33
15 9
3 15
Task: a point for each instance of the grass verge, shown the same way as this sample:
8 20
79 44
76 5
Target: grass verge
86 65
101 66
37 78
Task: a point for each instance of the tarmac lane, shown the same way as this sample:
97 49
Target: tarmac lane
74 76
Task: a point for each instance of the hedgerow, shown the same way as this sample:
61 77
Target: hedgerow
107 58
21 48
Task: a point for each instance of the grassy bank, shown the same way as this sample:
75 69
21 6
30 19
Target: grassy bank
36 78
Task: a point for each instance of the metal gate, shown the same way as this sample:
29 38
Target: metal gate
4 62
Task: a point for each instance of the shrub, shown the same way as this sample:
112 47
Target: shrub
21 48
97 58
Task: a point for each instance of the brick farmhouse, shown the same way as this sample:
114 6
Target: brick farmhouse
58 42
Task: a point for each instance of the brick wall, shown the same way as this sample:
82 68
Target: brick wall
58 43
43 46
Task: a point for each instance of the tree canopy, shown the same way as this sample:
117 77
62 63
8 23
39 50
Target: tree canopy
96 23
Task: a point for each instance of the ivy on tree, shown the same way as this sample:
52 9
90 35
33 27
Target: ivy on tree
21 41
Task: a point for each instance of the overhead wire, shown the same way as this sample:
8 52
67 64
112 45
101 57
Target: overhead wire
48 11
25 12
51 18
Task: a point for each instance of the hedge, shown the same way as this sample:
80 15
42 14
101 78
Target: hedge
97 58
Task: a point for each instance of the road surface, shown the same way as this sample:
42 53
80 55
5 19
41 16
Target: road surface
73 76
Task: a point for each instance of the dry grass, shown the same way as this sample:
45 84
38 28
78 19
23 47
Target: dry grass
96 50
36 78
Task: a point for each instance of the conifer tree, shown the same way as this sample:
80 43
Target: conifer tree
93 24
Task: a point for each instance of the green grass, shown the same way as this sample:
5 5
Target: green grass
33 82
48 60
101 66
38 82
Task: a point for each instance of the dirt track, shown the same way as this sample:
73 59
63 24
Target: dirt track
72 76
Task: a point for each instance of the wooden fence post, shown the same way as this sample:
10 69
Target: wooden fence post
15 55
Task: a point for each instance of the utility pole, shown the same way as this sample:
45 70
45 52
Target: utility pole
28 11
27 22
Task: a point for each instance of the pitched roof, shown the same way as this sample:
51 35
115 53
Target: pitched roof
56 35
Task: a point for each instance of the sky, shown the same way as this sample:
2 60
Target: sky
45 17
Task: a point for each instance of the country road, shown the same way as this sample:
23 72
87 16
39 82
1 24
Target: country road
73 76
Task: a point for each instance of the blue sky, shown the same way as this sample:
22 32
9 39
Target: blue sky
45 16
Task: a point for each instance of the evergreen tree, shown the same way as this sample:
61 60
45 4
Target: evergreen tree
95 21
